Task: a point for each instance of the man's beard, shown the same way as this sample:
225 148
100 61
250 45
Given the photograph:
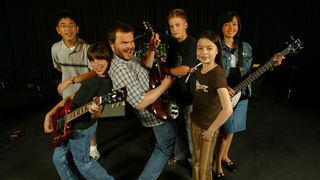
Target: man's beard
120 55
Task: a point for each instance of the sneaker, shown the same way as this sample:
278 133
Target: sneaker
95 154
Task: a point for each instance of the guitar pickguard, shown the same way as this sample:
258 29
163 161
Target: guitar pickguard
235 99
164 108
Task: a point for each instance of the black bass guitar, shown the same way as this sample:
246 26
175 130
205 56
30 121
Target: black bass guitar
292 48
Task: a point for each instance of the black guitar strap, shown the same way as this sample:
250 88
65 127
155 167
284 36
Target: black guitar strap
240 54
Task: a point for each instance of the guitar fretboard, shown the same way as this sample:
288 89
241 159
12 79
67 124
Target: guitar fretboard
260 71
78 112
115 96
254 76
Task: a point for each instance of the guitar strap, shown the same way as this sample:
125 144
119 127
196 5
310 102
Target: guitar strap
240 54
235 76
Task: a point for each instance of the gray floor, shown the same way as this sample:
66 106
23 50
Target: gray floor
282 142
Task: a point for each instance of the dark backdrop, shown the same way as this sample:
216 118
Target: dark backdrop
27 33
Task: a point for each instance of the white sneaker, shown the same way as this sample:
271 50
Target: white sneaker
95 154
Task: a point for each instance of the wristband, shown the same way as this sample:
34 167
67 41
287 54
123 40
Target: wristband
151 48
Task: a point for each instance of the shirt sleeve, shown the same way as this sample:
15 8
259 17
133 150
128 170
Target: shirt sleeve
124 77
54 57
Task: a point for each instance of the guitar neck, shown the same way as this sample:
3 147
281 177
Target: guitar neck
254 76
111 98
258 73
157 61
149 27
78 112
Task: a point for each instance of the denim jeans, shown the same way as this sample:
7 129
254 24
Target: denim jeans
165 137
79 146
183 139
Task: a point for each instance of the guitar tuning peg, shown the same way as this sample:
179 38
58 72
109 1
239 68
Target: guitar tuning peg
301 47
123 103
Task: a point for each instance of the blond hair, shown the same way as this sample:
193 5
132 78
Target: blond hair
177 13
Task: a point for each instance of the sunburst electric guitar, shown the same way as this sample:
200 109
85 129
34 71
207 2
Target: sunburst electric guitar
62 119
293 47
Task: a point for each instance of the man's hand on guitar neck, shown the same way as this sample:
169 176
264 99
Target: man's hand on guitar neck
154 41
150 55
277 59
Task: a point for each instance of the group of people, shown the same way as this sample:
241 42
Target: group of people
199 76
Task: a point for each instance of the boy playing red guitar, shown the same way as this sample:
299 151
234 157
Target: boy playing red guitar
84 127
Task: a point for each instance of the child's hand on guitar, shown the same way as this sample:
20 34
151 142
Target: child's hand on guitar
232 92
94 108
277 59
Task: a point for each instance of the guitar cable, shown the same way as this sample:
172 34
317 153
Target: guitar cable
190 73
16 134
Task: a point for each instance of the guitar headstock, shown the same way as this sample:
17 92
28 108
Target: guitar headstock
148 26
294 45
116 95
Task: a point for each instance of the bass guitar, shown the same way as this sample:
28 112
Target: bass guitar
62 119
164 107
295 45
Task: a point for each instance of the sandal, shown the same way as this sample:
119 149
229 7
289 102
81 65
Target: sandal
230 166
218 176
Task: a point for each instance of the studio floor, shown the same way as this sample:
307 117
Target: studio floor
282 141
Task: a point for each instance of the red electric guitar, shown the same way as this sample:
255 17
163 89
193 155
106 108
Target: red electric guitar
63 118
164 107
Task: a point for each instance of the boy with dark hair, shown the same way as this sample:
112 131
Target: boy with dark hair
84 127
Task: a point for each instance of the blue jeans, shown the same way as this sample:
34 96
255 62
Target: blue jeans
165 136
183 130
79 146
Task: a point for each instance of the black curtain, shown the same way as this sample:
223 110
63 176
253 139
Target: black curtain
27 32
